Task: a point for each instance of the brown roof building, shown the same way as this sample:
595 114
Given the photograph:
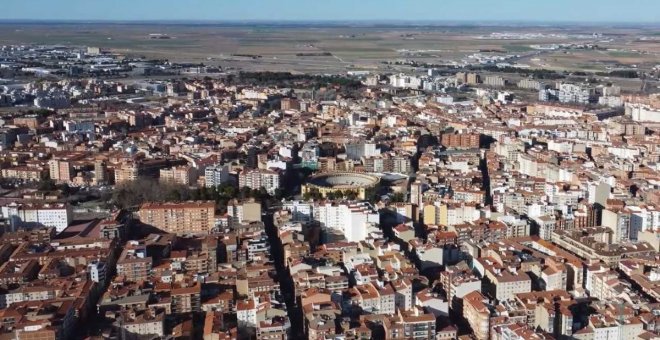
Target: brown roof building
193 217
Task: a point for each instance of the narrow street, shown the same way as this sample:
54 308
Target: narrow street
283 277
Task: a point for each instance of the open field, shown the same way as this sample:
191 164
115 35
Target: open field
330 49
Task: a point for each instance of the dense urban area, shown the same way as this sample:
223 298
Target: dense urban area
152 199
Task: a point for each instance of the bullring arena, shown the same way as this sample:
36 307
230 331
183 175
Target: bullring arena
341 182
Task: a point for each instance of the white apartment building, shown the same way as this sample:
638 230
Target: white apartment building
352 219
509 149
216 175
459 214
530 84
403 291
571 93
97 271
247 311
375 299
79 126
260 178
611 101
277 164
355 151
495 81
300 211
528 165
547 225
643 113
56 215
144 324
644 218
19 295
507 286
405 82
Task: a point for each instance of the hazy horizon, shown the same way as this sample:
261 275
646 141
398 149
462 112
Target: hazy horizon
338 23
643 12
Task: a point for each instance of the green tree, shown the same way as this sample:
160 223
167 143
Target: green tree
194 195
66 189
47 184
263 193
351 195
313 194
256 193
203 194
173 195
398 197
214 194
227 191
245 192
133 193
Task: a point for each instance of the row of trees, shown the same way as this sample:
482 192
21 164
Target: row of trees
229 191
534 73
315 194
133 193
629 74
287 78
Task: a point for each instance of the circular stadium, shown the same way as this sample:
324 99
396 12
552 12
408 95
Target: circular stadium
340 182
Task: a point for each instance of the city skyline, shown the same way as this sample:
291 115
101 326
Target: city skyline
367 169
609 11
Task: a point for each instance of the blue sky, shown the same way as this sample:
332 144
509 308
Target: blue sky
630 11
